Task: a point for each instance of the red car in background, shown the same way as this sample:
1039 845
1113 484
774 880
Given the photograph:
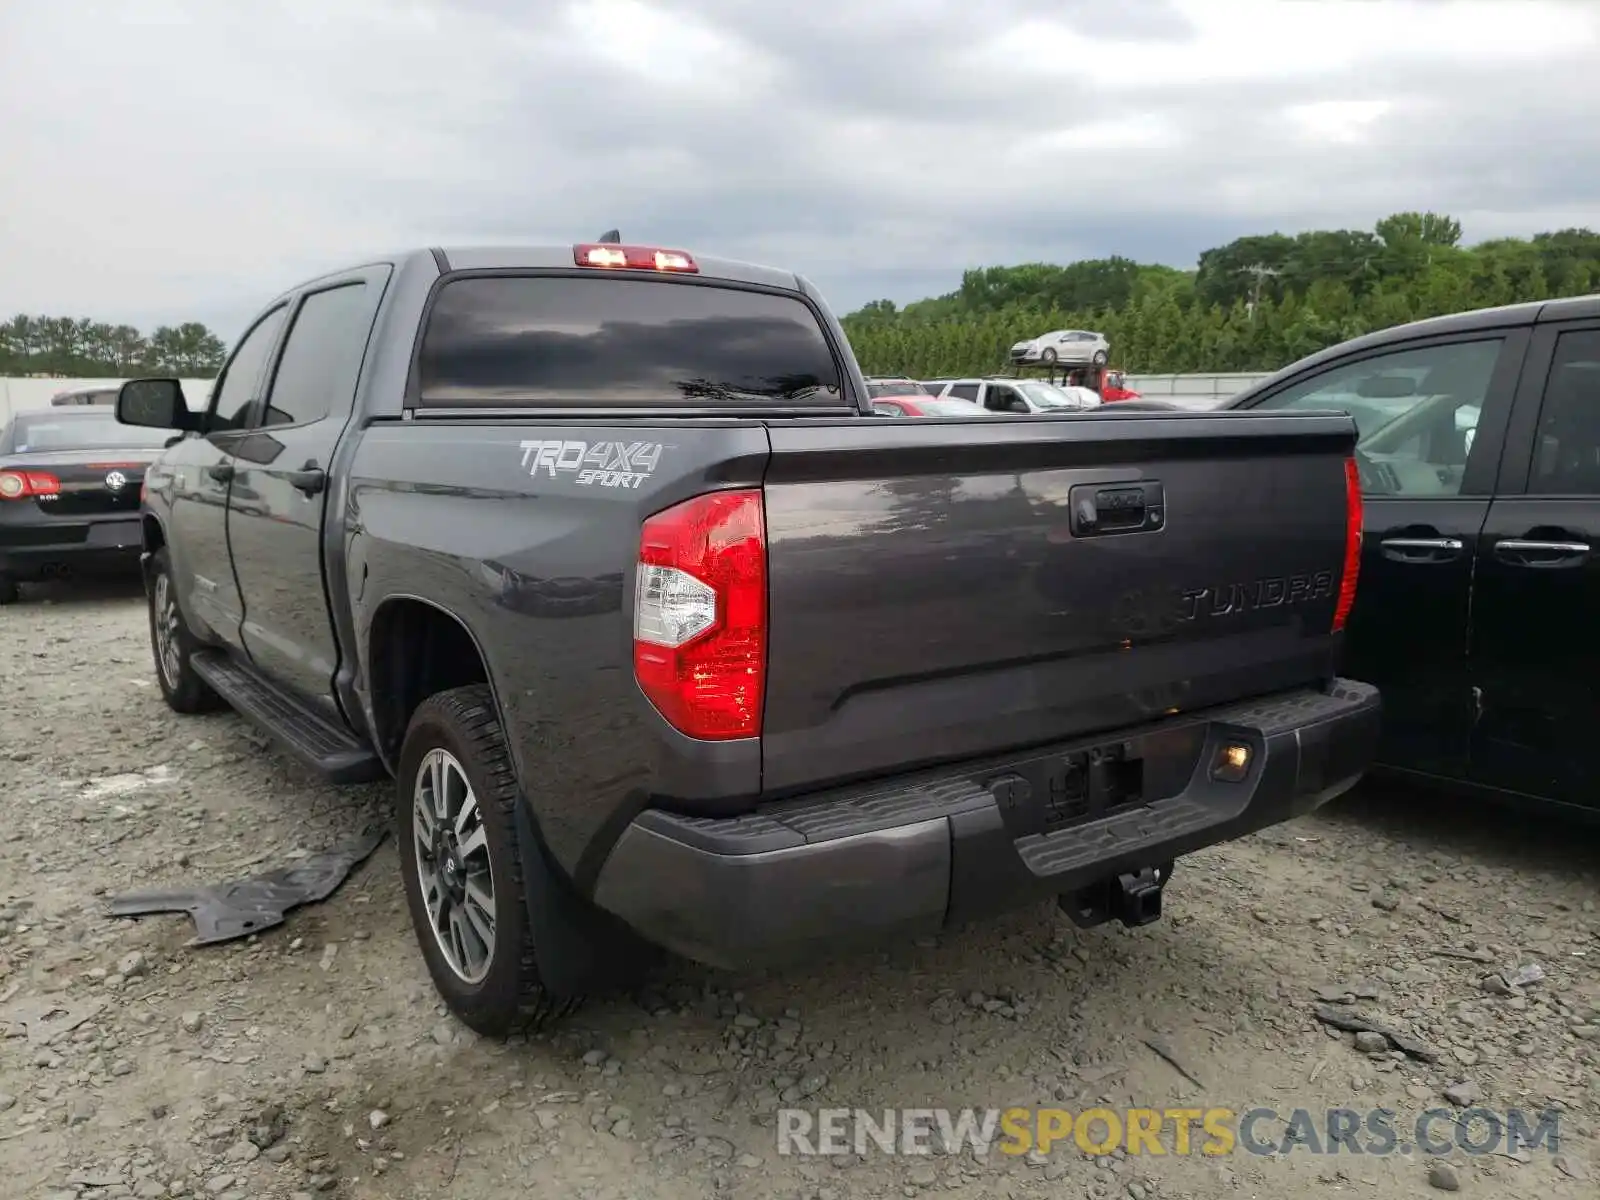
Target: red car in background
1114 386
924 406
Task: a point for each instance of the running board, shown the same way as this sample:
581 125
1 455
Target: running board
326 748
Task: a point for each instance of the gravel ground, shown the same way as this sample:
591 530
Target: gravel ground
316 1060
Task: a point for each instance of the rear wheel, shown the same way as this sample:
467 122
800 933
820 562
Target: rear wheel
466 870
173 645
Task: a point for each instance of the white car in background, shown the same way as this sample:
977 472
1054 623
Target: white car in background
1019 395
1064 346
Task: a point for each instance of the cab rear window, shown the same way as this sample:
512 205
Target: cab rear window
551 340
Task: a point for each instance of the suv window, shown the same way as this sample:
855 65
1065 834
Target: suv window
608 341
321 360
1416 411
1566 455
234 396
963 391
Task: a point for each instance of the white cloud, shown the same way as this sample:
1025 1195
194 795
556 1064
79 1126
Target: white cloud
178 158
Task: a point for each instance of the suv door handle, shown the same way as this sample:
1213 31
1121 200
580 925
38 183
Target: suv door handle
1418 550
1525 553
221 472
309 479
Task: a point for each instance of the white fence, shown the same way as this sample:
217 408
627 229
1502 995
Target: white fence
25 395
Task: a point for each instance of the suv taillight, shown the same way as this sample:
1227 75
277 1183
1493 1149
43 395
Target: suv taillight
700 614
1352 544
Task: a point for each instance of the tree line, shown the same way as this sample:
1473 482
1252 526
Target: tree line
80 348
1255 304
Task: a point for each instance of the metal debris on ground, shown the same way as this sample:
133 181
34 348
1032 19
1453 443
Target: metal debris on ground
226 911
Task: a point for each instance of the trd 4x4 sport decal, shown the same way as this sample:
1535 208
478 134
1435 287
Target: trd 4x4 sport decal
593 464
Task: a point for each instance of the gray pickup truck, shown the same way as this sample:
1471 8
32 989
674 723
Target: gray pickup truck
669 642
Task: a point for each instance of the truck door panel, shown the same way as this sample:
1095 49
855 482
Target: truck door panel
280 489
202 470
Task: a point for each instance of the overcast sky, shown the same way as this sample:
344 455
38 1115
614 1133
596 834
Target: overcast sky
185 159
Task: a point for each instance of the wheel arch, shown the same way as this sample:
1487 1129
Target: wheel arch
417 648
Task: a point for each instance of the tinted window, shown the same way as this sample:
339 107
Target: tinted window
963 391
887 410
43 433
241 381
320 362
1416 411
1566 455
623 342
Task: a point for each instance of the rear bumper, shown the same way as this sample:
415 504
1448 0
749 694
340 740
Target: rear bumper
33 550
915 855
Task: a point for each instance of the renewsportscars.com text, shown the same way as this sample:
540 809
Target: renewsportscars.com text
1210 1131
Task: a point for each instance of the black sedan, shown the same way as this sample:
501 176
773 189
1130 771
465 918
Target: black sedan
1478 606
69 493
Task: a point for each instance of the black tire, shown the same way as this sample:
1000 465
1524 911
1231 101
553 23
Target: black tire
1048 355
511 995
1100 358
10 593
183 690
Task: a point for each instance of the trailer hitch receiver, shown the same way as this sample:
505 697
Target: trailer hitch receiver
1132 897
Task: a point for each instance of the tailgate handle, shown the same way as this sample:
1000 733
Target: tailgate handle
1101 509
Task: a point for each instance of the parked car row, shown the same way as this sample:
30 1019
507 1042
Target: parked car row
1479 462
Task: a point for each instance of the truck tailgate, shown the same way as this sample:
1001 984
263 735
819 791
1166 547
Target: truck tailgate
942 589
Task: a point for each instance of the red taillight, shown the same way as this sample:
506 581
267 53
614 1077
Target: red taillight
633 258
19 485
1352 544
700 614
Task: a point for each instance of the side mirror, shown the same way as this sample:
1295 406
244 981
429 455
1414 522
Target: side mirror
154 404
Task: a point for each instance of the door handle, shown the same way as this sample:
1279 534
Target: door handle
309 479
221 472
1421 549
1522 552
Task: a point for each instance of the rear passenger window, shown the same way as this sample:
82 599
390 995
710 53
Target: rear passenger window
1566 455
964 391
623 342
321 361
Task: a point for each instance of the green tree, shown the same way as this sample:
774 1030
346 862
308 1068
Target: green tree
1254 304
78 347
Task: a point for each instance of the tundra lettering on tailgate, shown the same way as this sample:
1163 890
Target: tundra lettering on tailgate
1160 610
593 464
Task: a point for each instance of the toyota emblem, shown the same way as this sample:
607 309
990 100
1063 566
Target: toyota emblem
116 481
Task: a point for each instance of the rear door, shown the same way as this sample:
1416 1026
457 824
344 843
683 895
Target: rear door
281 485
197 475
1431 416
1536 608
